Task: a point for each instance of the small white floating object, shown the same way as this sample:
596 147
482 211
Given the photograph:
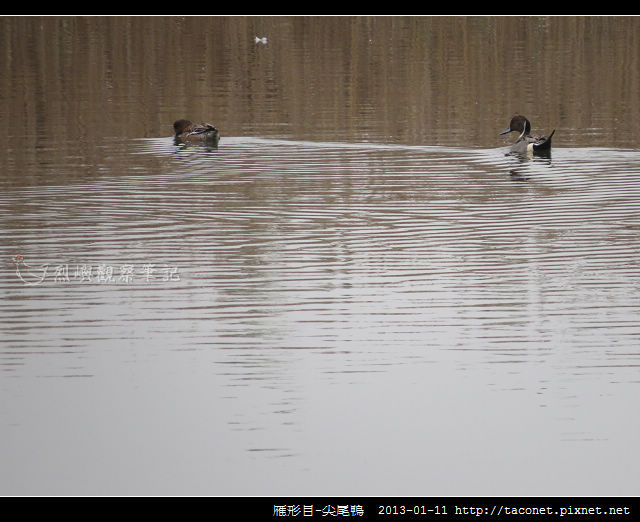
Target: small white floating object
262 40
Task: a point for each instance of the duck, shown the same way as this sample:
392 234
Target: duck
526 142
188 132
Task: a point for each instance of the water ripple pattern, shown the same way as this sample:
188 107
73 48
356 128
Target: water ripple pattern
334 270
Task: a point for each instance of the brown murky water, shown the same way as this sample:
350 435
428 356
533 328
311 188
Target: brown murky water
357 292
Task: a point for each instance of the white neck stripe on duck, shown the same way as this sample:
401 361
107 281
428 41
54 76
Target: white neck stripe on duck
524 131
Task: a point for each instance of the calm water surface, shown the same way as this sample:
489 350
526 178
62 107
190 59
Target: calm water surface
322 304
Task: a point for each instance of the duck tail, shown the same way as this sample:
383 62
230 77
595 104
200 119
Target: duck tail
545 144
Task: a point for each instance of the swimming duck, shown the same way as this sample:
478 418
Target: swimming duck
189 132
526 142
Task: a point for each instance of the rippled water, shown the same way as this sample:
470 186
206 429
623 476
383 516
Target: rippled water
338 312
336 300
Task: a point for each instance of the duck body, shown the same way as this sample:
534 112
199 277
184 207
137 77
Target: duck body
188 132
526 143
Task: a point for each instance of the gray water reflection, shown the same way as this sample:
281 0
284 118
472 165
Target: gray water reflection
360 306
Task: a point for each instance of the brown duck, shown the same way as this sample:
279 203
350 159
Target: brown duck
188 132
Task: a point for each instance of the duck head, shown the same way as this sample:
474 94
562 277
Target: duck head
518 124
181 125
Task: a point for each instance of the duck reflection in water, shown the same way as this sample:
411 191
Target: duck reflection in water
187 132
525 165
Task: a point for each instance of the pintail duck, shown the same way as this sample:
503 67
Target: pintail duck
526 142
189 132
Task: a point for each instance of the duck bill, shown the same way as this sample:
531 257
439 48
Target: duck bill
505 131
